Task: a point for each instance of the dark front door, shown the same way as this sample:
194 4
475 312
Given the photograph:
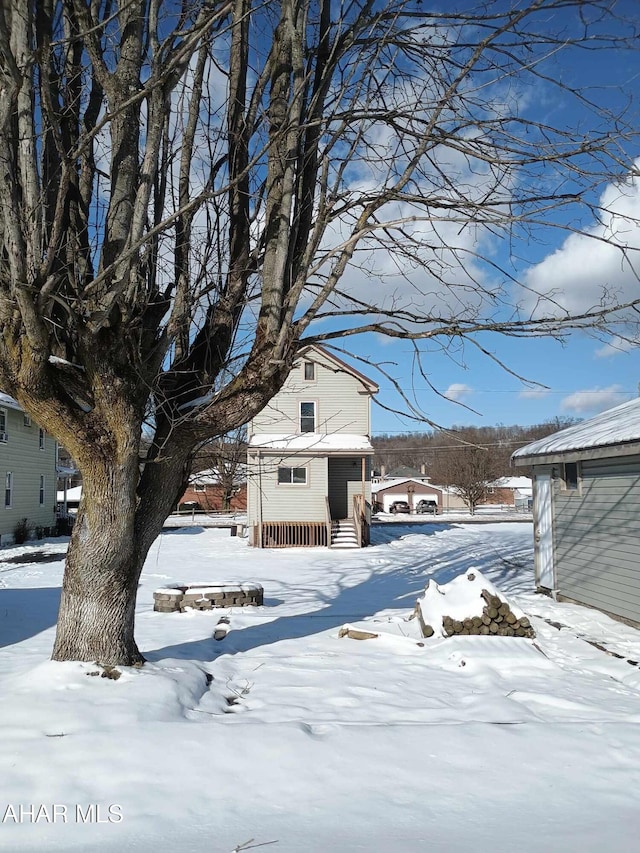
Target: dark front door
345 478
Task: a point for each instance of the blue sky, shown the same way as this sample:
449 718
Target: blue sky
585 374
580 381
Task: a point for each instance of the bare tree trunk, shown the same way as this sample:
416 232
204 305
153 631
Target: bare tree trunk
96 617
103 566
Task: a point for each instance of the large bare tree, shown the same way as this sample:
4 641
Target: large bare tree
189 190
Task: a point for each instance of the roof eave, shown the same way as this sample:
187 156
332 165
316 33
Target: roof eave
576 454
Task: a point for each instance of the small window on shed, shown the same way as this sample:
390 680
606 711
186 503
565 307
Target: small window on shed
309 371
570 476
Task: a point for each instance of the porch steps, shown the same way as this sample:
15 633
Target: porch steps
343 534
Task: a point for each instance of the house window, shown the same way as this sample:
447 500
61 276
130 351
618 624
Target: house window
26 420
3 424
309 371
292 476
41 496
8 490
570 476
41 438
199 487
307 417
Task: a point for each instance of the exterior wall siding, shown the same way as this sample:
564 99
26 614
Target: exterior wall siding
278 502
597 537
21 455
342 405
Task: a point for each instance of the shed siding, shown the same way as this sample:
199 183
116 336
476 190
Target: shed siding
597 537
342 403
20 454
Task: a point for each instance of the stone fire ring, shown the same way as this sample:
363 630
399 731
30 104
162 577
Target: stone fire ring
207 596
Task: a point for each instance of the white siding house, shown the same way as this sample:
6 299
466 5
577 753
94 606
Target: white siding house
308 461
586 502
27 471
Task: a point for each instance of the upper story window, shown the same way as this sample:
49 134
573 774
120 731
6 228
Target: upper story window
41 439
26 420
308 416
309 371
3 424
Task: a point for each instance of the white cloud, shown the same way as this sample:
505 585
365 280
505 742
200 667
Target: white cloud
615 346
533 393
594 400
457 392
597 266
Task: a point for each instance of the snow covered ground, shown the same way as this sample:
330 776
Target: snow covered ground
306 742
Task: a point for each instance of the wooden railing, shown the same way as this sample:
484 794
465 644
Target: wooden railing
295 534
327 517
362 520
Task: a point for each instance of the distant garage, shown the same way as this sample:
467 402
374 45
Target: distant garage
586 502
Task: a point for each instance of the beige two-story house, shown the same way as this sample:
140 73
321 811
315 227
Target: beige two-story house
309 454
27 471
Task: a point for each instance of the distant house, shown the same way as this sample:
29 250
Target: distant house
309 457
516 492
27 469
586 501
206 493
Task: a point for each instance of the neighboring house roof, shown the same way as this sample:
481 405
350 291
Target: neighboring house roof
405 472
341 366
617 428
211 476
9 402
73 494
521 484
312 442
386 484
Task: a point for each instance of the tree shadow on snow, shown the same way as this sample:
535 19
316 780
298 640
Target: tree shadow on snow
27 612
397 589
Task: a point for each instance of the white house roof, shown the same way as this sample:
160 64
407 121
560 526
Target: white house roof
206 477
521 484
312 442
399 481
613 428
9 402
73 494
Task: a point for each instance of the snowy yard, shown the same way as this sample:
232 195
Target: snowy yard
309 743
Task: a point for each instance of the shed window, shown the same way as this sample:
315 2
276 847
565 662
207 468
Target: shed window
308 417
309 371
292 476
199 487
570 476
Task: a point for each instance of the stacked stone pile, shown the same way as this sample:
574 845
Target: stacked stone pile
458 609
207 597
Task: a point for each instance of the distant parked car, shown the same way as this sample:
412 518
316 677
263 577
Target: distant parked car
427 506
399 506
